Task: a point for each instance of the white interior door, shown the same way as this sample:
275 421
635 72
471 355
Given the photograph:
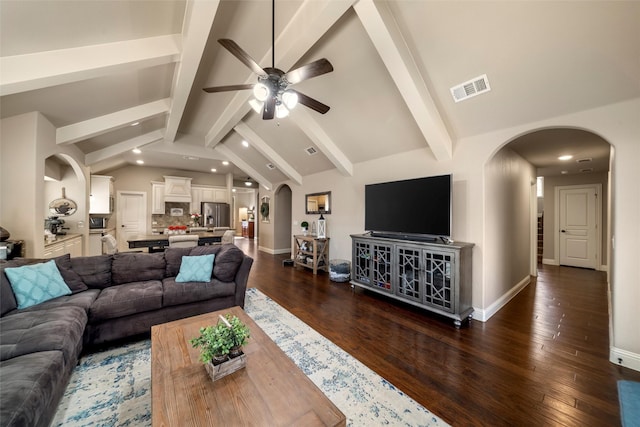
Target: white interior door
131 217
578 226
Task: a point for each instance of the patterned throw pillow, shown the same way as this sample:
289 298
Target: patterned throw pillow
196 268
36 283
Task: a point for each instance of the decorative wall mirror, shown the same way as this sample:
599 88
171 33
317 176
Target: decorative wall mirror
318 203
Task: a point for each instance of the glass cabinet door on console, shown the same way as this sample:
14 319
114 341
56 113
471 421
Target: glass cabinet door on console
438 284
372 265
408 276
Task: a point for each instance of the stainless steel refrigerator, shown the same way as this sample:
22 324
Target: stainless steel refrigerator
216 214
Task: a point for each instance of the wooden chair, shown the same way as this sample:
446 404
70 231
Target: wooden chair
183 240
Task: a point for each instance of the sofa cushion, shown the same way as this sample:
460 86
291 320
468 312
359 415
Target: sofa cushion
58 328
71 278
173 258
196 268
32 386
33 284
7 299
176 293
81 299
95 271
136 267
129 298
228 259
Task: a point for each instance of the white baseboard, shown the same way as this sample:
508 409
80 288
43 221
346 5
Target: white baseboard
484 315
549 261
604 267
624 358
274 251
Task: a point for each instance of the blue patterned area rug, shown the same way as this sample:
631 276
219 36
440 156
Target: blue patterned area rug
113 388
629 395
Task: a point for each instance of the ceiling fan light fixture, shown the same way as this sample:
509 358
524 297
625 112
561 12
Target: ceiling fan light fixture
290 99
261 91
281 111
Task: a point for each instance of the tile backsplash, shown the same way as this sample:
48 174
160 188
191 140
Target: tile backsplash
167 219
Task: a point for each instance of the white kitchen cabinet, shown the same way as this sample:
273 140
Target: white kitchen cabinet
220 195
157 198
203 193
101 197
71 245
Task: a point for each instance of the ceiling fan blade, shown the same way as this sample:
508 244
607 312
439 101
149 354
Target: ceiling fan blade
269 109
227 88
243 56
312 69
311 103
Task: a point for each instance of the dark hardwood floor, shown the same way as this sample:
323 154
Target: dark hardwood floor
541 360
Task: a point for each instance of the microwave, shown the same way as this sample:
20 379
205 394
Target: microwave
97 222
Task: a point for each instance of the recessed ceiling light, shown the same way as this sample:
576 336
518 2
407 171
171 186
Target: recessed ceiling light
233 190
248 184
190 158
140 162
245 143
226 163
214 170
137 150
564 172
135 123
565 157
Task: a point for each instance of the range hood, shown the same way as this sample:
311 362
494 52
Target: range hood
177 189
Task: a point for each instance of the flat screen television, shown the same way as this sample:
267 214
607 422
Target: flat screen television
412 209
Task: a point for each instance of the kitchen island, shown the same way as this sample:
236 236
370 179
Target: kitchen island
158 242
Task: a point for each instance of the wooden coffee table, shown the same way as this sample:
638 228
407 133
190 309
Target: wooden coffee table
270 391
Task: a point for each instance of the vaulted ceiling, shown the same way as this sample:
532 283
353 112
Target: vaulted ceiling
95 68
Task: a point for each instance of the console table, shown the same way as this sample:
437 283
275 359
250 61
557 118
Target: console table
311 252
434 276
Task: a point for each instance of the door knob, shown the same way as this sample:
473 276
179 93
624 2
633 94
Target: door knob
562 231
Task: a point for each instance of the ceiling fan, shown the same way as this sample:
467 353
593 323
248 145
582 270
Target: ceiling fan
273 96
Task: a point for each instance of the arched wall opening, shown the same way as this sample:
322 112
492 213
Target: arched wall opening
282 217
512 208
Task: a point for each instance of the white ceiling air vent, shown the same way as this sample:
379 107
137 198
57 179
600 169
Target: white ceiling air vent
585 160
470 88
271 166
311 151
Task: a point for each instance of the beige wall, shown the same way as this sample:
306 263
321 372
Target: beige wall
617 124
507 245
138 178
26 141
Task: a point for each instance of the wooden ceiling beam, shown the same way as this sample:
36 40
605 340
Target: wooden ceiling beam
388 40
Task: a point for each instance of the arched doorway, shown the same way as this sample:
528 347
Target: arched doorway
512 206
282 218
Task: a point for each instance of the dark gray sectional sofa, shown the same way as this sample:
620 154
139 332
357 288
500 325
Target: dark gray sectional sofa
113 297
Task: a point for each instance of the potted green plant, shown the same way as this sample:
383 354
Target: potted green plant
305 227
217 342
221 346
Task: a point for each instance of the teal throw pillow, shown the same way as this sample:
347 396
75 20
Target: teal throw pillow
196 268
36 283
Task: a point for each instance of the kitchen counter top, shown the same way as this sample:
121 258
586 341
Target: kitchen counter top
62 238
